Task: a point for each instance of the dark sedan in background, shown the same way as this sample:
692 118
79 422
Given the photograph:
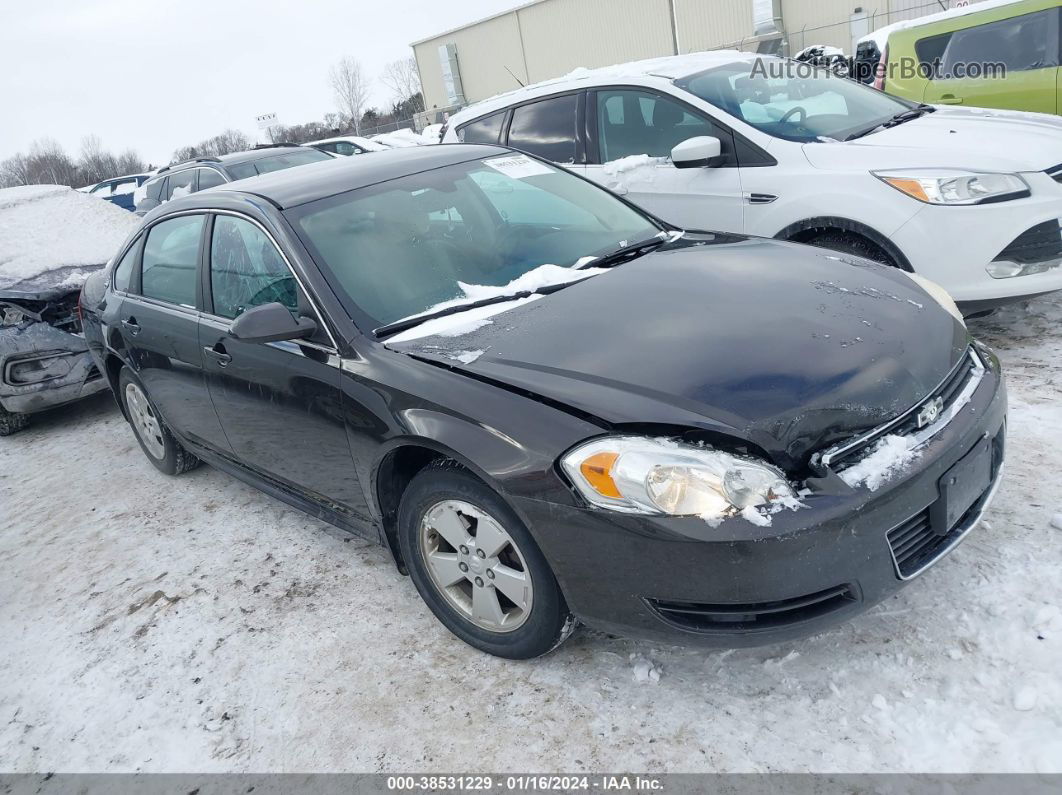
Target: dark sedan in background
548 404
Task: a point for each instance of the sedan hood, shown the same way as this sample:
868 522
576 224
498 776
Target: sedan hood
787 347
963 138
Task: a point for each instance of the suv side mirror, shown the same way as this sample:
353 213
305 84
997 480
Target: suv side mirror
703 150
271 322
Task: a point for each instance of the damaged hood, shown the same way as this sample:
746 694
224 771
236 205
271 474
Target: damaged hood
788 347
961 138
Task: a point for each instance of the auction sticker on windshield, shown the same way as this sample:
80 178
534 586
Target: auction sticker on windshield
518 166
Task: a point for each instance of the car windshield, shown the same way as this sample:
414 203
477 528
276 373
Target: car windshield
794 101
264 165
405 246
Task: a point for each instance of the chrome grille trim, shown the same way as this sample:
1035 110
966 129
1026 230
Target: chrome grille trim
977 372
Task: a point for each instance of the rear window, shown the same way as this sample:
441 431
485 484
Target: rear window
279 162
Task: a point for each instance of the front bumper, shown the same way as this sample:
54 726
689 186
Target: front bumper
73 375
742 585
954 246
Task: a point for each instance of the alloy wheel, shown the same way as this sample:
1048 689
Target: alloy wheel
476 565
144 421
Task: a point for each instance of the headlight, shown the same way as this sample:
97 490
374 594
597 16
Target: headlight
937 186
938 294
635 474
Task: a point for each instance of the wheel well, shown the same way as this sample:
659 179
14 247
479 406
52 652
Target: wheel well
395 472
810 228
113 366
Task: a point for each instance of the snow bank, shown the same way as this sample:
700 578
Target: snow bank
47 227
467 322
889 457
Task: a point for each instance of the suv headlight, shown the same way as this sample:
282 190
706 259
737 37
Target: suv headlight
938 294
939 186
635 474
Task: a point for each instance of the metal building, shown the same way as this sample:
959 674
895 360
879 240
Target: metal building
549 38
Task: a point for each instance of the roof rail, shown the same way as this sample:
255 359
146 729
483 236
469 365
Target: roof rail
273 146
189 160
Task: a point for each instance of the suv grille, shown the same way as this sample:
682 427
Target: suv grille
954 391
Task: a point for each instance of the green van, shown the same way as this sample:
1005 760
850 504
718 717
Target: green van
1006 56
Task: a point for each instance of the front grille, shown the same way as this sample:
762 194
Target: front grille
917 543
1040 243
737 617
953 389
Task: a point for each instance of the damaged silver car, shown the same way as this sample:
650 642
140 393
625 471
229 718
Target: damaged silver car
51 239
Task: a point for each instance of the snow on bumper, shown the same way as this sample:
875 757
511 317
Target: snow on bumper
954 246
56 368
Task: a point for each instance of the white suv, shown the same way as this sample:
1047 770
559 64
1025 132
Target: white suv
734 142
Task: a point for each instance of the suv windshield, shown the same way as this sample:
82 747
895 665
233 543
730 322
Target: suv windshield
264 165
403 247
794 101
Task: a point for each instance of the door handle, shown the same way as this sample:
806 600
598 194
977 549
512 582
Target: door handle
131 324
949 99
220 357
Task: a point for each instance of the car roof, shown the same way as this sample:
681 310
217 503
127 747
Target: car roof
231 159
294 186
670 67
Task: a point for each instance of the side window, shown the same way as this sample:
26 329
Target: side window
246 270
122 188
631 122
154 189
123 271
346 148
181 184
930 52
546 128
1020 43
209 178
482 131
103 189
170 256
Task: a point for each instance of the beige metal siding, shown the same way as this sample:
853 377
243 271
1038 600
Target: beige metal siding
712 24
483 52
560 35
820 22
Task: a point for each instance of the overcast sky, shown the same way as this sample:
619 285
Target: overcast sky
155 75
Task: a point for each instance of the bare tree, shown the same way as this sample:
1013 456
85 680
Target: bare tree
351 90
95 164
403 81
221 144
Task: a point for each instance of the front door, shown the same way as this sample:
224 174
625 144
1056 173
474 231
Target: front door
279 402
159 327
635 130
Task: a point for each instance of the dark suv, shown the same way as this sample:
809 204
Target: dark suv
201 173
550 405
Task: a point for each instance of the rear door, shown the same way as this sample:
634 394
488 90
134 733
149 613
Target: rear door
548 128
1009 64
632 132
160 329
279 402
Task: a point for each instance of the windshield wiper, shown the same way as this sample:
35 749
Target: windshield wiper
416 320
899 118
625 253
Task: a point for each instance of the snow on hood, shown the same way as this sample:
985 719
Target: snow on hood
466 322
400 139
990 140
47 227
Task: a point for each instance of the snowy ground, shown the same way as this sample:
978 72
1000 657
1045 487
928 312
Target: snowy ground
194 624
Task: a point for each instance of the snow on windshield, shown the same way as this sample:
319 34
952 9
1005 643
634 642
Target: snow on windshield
47 227
468 321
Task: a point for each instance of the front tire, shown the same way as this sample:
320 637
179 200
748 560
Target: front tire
158 443
848 243
477 567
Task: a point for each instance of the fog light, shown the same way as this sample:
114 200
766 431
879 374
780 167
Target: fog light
1008 269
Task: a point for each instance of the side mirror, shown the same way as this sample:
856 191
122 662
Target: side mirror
271 323
703 150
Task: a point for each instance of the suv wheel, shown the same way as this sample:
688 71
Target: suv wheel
477 567
158 444
848 243
12 421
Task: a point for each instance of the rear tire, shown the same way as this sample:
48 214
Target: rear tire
448 521
158 443
12 421
849 243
